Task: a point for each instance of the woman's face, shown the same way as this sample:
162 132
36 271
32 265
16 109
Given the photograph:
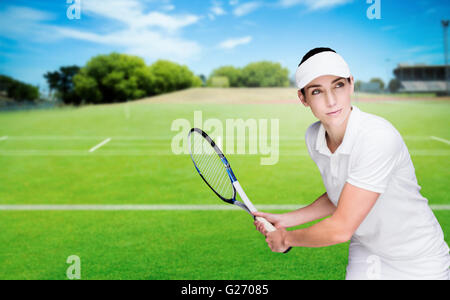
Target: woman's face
329 98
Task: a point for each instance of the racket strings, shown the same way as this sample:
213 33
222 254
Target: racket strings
211 166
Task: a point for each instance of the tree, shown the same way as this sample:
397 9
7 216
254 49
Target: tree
378 80
219 81
265 74
169 77
113 78
62 82
203 79
358 84
394 85
119 77
233 74
18 90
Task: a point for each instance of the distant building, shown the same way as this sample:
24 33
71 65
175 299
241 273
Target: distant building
422 78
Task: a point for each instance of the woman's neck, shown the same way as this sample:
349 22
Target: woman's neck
335 135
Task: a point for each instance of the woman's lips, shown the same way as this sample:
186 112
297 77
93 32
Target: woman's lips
335 113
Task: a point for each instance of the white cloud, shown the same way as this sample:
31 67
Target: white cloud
289 3
142 35
216 10
314 4
150 34
25 13
18 21
246 8
132 14
140 42
421 49
168 7
232 43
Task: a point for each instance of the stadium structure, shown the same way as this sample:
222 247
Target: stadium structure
423 78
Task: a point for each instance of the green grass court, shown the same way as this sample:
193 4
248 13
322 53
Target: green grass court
45 159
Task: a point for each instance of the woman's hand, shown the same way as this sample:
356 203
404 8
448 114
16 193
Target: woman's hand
276 240
275 219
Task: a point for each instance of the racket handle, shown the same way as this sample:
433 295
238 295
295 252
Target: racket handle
267 225
270 228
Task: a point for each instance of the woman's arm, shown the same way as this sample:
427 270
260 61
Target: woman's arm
320 208
354 205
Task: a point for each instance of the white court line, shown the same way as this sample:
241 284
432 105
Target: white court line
162 207
99 145
139 138
87 138
169 138
418 152
3 138
440 139
138 207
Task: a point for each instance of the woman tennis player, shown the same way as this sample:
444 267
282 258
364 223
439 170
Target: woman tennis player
372 195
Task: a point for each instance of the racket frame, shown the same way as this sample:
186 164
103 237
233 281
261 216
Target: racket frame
235 183
247 205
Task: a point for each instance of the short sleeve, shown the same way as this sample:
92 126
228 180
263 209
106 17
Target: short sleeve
374 160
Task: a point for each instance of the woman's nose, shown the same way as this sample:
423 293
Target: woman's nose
330 99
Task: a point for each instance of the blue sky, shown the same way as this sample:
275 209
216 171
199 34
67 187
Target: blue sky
37 36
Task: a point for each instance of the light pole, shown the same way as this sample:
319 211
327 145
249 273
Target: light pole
447 79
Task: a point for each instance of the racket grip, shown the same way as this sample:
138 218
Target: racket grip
270 228
267 225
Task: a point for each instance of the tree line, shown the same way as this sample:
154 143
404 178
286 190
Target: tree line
258 74
17 90
116 77
119 77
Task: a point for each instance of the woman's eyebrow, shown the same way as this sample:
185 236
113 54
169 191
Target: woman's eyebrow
336 80
313 86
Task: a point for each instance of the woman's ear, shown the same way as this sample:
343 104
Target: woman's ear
352 85
302 98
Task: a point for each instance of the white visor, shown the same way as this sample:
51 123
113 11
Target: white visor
324 63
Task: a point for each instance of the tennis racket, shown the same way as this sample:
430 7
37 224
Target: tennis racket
216 172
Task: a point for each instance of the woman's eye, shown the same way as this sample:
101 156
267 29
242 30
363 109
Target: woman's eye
339 84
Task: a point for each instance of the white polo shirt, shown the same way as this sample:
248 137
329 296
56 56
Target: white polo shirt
374 157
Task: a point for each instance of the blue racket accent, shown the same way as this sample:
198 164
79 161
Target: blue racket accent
229 171
225 162
197 169
231 174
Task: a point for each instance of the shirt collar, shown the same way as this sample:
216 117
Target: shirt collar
349 137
